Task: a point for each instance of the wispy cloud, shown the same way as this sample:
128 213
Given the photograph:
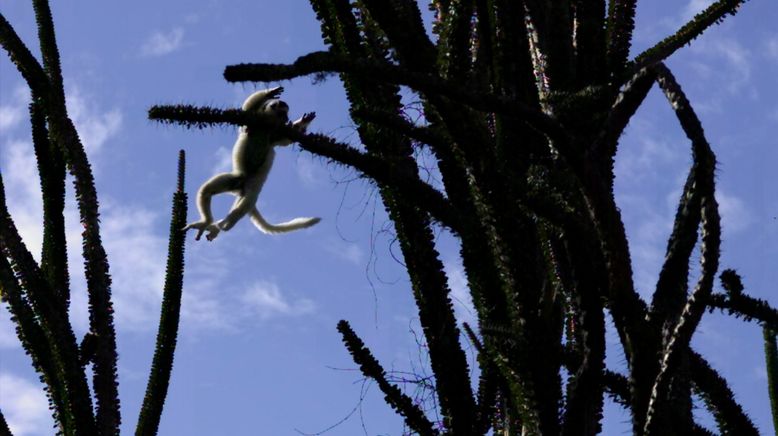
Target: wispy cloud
8 339
348 251
160 43
24 405
645 159
265 300
735 70
23 195
460 292
95 124
223 158
12 112
693 8
10 116
310 172
735 215
771 46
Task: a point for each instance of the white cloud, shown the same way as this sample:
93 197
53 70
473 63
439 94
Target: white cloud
10 116
95 125
737 60
771 46
25 406
137 257
693 8
13 112
23 197
347 251
310 172
160 44
735 216
223 158
644 157
8 338
265 299
460 293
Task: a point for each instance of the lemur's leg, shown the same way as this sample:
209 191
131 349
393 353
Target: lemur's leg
247 198
300 124
256 99
217 184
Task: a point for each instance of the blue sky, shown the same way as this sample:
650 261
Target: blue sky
258 350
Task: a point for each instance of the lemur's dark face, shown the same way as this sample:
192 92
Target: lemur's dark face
277 107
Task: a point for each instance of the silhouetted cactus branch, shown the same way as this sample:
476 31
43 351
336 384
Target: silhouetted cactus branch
489 384
21 56
51 169
4 430
414 417
47 312
747 307
626 104
678 342
688 32
620 25
771 360
32 338
162 364
719 399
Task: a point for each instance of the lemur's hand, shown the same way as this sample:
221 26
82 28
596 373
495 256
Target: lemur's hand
275 92
307 118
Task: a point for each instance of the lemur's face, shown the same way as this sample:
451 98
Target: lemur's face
277 107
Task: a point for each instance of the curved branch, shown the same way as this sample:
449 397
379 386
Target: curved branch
719 399
423 195
627 103
711 240
20 55
414 417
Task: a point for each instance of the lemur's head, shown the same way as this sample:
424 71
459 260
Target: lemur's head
276 107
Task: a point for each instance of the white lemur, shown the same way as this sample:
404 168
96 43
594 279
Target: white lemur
252 158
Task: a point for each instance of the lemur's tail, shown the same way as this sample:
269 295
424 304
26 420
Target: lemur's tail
289 226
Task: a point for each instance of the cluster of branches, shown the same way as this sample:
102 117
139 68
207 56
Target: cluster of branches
524 103
37 293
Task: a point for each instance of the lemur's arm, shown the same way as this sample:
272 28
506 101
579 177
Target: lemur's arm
300 124
256 99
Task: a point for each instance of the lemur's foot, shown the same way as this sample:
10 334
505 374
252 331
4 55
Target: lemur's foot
202 227
308 117
213 232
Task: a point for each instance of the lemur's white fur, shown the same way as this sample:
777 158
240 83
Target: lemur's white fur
252 158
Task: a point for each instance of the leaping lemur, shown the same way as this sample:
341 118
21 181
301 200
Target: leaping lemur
252 158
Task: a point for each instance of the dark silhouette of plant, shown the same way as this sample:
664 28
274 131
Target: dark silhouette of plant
38 293
524 103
